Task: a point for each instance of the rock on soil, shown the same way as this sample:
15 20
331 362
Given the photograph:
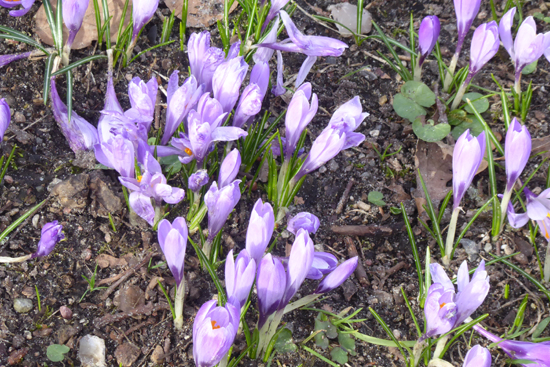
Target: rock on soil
92 351
22 305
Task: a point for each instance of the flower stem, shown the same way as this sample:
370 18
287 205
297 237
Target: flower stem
14 259
270 332
547 264
207 247
417 72
130 50
451 237
504 207
440 346
301 302
450 73
178 306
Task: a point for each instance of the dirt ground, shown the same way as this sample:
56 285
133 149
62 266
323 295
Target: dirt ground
43 159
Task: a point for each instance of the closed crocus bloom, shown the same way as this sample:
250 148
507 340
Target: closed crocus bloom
528 45
299 263
517 151
467 156
5 117
197 180
478 357
279 89
347 118
143 98
73 15
466 11
299 114
50 236
324 148
260 229
249 105
227 81
239 277
271 285
337 276
80 134
220 203
142 12
173 242
6 59
229 168
180 101
260 76
214 331
203 59
439 310
303 220
117 154
485 45
26 4
427 36
505 31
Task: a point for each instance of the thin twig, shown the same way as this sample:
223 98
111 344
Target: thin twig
344 197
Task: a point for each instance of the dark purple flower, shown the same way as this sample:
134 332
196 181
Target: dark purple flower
239 277
427 36
337 276
220 203
5 117
305 221
173 242
197 180
50 236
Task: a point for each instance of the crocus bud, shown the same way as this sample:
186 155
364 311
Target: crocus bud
239 277
27 4
260 229
517 151
439 310
337 276
5 117
478 357
271 285
229 168
505 32
249 105
173 242
203 59
323 263
220 203
118 154
467 156
466 11
299 114
299 263
142 12
50 236
303 220
227 81
260 76
143 98
198 180
214 331
73 15
427 36
485 45
324 148
80 134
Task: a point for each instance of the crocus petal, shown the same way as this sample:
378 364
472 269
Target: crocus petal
299 114
173 242
6 59
228 133
485 45
467 156
142 12
227 81
516 220
5 117
299 263
439 310
197 180
260 76
279 89
528 45
229 168
505 31
143 207
466 11
472 295
249 105
271 285
51 234
260 229
517 151
304 70
337 276
264 54
478 357
427 36
439 276
305 221
220 203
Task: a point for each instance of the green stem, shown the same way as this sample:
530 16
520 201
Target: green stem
450 73
547 264
450 237
178 306
504 207
301 302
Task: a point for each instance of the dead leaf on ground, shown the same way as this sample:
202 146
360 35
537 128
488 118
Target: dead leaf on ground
88 32
202 13
539 145
105 261
400 194
126 354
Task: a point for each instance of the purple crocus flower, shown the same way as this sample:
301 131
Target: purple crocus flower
516 154
104 127
478 356
6 59
260 229
260 76
467 156
427 36
197 180
80 134
538 209
439 310
276 6
347 118
51 234
271 285
324 148
142 12
299 263
239 277
220 202
117 154
5 117
264 54
180 101
26 4
485 45
229 168
303 220
214 331
466 11
279 89
535 352
323 263
249 105
227 81
143 98
337 276
73 15
173 242
299 114
203 59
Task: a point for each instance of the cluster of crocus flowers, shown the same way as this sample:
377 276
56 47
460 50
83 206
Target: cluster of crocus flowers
5 117
50 235
26 4
427 38
467 156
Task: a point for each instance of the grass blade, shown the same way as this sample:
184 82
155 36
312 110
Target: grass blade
79 63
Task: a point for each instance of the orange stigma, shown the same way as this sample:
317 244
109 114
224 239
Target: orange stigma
214 326
188 151
442 305
139 178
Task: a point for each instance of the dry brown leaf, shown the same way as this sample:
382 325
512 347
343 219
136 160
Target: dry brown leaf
202 13
88 32
539 145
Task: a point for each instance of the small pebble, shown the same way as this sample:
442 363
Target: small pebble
27 334
8 179
65 312
22 305
19 117
35 220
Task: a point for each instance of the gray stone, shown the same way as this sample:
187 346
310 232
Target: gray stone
22 305
92 351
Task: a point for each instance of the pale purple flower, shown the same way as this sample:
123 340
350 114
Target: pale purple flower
264 54
427 36
547 45
239 277
5 117
519 220
439 310
227 81
214 331
271 286
478 356
466 11
6 59
299 114
249 105
220 203
80 134
303 220
347 118
276 6
324 148
173 242
299 263
304 70
485 45
197 180
118 154
260 76
229 168
467 156
260 229
279 89
143 98
142 12
104 126
73 15
517 151
115 123
180 101
203 59
337 276
50 235
538 209
26 4
323 263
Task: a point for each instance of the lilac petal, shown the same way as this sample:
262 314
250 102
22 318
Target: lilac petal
228 133
478 357
264 54
299 263
305 221
304 70
472 295
439 310
485 45
467 156
73 13
142 12
279 89
528 45
6 59
271 285
130 183
141 204
229 168
516 220
197 180
439 276
50 235
227 81
260 229
517 151
428 34
249 105
505 31
260 76
466 11
337 276
5 117
462 277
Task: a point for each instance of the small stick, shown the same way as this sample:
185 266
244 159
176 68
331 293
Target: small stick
126 275
366 230
360 272
344 198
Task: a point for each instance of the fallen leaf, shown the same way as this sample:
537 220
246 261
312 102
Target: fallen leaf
400 194
201 13
88 32
126 354
539 145
105 261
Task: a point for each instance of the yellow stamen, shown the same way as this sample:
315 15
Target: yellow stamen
214 326
139 178
188 151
